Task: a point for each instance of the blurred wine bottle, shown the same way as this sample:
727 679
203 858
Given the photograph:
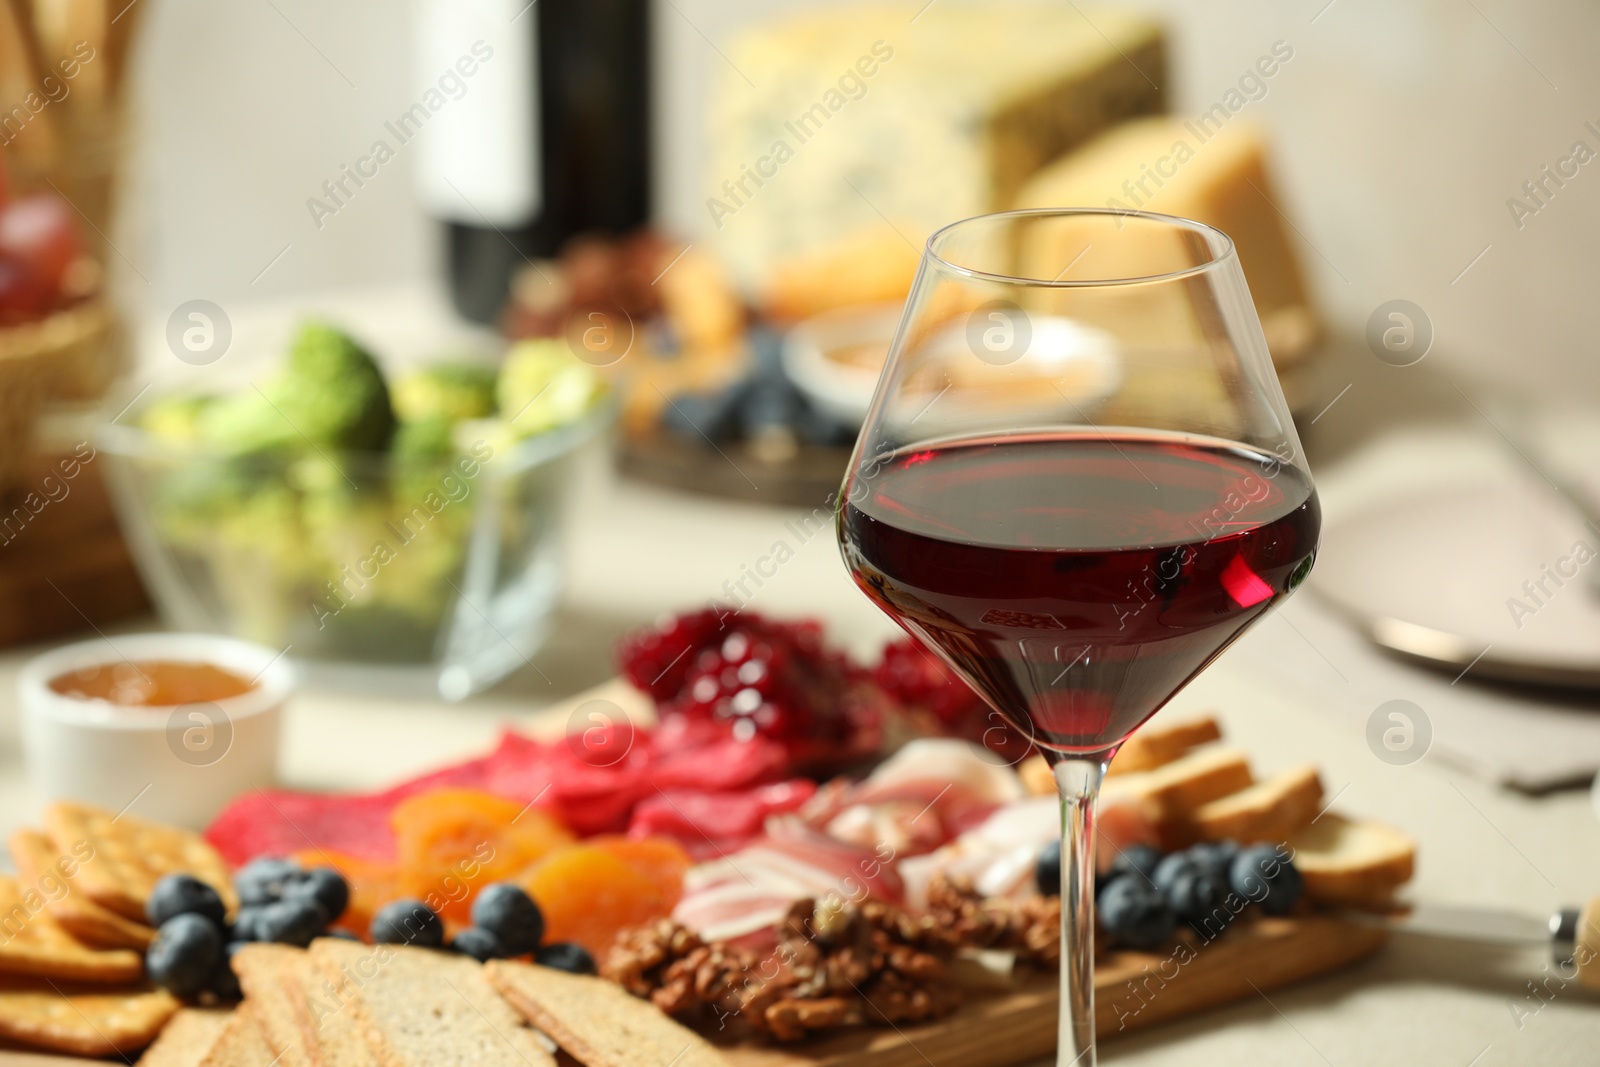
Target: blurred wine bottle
549 137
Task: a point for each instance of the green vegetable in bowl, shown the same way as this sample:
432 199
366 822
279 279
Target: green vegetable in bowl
449 391
333 392
543 385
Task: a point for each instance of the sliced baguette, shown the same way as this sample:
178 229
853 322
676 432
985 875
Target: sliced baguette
188 1038
424 1008
1157 744
1353 863
1153 746
598 1023
1268 811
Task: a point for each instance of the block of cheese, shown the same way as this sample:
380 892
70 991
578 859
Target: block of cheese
906 117
1201 170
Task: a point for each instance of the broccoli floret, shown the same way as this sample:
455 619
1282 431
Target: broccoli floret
449 391
333 394
177 419
542 386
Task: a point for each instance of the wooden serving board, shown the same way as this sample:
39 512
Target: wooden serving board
1133 990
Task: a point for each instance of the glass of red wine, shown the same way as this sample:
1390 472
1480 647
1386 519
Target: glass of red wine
1078 483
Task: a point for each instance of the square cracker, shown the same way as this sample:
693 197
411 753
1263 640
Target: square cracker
32 943
83 1021
38 861
303 1011
426 1008
597 1022
130 855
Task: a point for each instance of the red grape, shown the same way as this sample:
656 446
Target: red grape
40 230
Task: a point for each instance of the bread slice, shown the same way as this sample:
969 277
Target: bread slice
261 972
188 1038
1268 811
127 856
1157 744
83 1020
40 866
1353 863
597 1022
424 1008
33 943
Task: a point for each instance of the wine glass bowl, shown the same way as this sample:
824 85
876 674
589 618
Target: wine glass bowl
1078 483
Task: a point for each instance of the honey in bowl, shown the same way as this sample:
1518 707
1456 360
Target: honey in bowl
151 683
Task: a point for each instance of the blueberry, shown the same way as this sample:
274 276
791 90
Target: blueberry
1047 870
324 887
1217 858
184 894
261 880
408 922
290 922
479 943
224 983
1265 876
566 956
510 914
184 954
1136 859
246 925
1190 890
1134 912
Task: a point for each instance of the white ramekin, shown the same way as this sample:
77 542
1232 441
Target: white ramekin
176 765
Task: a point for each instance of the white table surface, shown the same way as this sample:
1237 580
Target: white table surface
638 551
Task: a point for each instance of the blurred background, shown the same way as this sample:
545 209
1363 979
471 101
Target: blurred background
1399 132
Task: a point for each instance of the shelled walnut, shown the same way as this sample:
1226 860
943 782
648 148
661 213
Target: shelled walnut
832 963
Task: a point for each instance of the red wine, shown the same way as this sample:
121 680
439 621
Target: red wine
1077 581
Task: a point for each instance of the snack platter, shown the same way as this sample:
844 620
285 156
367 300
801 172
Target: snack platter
915 873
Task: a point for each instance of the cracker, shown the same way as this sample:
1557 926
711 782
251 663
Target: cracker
127 856
32 943
242 1044
80 1020
260 968
41 867
188 1038
425 1008
597 1022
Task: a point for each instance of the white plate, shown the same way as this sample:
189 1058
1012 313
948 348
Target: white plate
1495 577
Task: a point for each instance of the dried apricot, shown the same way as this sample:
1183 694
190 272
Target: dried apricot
452 842
588 895
660 859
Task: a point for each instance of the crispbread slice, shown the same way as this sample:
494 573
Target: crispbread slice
424 1008
128 856
41 867
83 1021
1268 811
261 971
1353 863
242 1044
187 1040
31 943
304 1012
1157 744
597 1022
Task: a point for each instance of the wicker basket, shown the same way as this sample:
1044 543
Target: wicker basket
36 359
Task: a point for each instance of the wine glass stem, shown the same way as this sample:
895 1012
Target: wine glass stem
1078 782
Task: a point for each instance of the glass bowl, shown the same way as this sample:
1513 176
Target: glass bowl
369 572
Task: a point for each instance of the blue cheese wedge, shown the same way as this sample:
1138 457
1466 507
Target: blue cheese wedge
904 117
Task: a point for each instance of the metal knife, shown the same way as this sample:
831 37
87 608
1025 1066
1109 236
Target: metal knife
1493 926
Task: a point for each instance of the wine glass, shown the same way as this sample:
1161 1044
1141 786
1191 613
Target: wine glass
1078 483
